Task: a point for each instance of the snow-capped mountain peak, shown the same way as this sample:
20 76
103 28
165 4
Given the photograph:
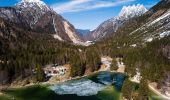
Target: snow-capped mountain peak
132 11
33 3
32 10
114 23
37 16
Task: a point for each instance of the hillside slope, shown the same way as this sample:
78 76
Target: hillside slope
39 17
154 24
113 24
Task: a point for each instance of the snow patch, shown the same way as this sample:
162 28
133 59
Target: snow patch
149 39
137 77
160 18
133 45
33 1
83 87
113 24
132 11
88 43
34 4
33 8
164 34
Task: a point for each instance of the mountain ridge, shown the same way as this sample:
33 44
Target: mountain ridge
39 17
114 23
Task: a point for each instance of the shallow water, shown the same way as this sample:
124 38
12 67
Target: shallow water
98 86
82 87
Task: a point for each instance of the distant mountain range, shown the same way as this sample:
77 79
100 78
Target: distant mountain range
83 32
140 23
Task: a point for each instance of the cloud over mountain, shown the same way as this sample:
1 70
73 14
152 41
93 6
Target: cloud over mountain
84 5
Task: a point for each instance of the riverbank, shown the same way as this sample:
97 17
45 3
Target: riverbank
156 91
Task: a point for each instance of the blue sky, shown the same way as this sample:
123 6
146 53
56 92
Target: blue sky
87 14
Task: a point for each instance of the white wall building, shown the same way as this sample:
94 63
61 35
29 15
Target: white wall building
55 71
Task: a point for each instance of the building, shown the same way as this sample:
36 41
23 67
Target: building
54 70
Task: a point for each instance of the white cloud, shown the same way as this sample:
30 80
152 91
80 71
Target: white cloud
84 5
67 7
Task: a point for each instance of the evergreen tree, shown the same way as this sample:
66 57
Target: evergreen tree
127 89
40 76
143 90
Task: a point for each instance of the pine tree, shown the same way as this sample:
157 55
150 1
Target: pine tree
143 90
127 89
40 76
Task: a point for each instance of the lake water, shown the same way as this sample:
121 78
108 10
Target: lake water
100 86
96 87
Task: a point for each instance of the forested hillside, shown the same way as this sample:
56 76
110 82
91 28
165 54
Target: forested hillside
23 52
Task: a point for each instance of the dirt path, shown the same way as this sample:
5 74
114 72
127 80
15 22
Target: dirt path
121 69
107 61
158 92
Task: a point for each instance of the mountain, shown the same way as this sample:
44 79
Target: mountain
82 32
23 50
144 43
35 15
157 24
152 25
112 25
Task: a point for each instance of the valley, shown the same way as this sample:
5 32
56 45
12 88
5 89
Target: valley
44 57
